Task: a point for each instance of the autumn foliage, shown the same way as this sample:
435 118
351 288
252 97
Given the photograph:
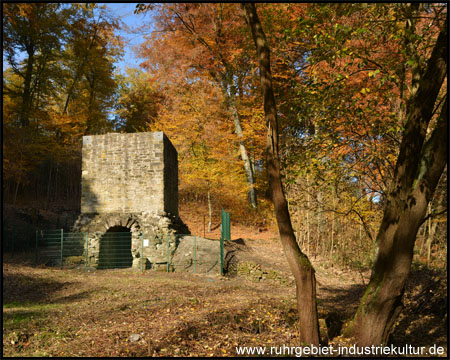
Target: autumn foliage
351 99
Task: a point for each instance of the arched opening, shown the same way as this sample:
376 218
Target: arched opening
115 248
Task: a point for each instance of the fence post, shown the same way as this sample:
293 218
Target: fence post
142 252
87 249
62 246
168 254
225 225
195 254
221 255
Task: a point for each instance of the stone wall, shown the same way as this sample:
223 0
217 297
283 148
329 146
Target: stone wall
154 239
155 228
129 173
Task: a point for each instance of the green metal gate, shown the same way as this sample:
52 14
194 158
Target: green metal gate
115 250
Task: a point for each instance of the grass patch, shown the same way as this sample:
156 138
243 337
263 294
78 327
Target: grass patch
13 319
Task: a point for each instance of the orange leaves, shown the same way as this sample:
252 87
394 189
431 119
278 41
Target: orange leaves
200 56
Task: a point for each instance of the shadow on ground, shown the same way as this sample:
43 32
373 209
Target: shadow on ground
337 305
423 321
21 289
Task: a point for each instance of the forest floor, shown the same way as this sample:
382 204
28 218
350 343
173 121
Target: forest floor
70 312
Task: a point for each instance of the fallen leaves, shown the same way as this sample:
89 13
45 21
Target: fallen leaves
177 314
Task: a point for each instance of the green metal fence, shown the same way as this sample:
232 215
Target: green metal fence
18 237
59 248
112 250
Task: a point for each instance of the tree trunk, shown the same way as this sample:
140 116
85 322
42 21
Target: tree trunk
79 70
381 302
90 126
209 211
26 95
231 99
431 232
15 193
49 182
419 167
319 221
299 263
332 228
308 230
55 191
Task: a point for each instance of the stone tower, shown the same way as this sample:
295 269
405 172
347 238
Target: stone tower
130 184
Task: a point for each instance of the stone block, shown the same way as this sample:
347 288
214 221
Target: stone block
116 177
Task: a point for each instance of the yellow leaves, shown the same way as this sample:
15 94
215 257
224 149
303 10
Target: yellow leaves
365 91
26 10
235 53
281 76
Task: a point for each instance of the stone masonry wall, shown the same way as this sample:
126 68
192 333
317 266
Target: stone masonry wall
129 173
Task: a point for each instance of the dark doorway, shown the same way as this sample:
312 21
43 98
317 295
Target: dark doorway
115 248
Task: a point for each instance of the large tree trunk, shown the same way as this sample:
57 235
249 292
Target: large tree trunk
418 169
299 263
